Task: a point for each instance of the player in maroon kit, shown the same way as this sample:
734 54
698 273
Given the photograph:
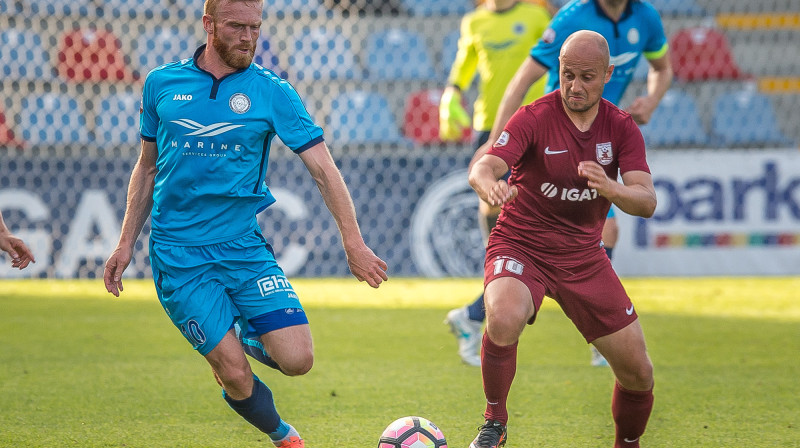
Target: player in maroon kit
565 152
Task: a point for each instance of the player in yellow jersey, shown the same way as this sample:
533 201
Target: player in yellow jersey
495 39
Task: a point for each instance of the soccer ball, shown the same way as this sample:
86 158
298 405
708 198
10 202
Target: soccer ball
412 432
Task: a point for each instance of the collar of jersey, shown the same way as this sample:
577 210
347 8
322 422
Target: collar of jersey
197 52
625 14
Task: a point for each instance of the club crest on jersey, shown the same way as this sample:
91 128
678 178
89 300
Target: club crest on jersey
605 155
502 140
239 103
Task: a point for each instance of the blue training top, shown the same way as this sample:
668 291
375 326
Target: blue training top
639 31
213 137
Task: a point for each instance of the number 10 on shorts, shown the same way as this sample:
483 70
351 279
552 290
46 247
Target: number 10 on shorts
509 264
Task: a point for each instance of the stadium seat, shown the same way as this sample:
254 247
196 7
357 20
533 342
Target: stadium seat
158 46
58 8
397 54
701 54
321 53
449 51
8 139
678 7
267 58
52 118
116 119
746 118
91 55
421 118
427 8
23 56
676 122
365 118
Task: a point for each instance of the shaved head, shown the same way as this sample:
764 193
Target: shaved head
587 45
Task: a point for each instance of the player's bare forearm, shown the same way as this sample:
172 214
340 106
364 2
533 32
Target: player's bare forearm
635 196
485 178
363 263
659 78
139 204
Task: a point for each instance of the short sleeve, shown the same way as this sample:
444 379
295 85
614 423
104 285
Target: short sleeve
632 155
546 51
291 120
148 115
516 138
656 45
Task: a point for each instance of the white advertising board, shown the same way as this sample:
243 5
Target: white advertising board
719 213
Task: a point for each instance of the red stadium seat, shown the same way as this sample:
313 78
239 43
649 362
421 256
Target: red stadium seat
421 118
92 55
7 136
700 54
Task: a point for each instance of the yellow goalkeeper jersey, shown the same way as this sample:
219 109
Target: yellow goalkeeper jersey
494 44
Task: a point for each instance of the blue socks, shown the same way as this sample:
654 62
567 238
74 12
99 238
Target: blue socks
259 410
476 311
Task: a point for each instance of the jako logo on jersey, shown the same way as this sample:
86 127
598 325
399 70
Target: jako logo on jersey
605 155
239 103
568 194
206 131
502 140
179 97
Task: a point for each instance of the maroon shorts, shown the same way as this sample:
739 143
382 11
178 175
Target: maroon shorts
584 284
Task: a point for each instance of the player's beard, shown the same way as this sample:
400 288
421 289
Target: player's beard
231 56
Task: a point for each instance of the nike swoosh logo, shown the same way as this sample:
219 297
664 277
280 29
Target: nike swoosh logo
629 311
630 440
547 151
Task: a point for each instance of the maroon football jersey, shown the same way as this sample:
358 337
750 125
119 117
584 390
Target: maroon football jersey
555 209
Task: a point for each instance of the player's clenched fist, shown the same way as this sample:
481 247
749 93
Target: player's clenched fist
500 193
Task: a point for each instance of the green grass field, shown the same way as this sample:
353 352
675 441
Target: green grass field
80 368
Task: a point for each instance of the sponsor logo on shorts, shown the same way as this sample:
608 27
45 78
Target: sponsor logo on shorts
274 284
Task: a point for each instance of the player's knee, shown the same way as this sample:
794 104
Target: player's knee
299 364
236 378
504 329
637 377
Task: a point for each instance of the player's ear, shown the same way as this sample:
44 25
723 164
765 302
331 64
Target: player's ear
208 24
609 72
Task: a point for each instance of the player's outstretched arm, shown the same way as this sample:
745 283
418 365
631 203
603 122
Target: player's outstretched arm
139 204
659 78
635 196
485 177
20 255
528 73
363 263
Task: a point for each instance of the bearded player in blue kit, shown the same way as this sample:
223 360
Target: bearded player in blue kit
206 127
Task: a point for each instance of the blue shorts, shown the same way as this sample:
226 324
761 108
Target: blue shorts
611 213
205 289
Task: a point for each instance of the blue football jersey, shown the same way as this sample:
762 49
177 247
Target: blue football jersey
213 137
638 32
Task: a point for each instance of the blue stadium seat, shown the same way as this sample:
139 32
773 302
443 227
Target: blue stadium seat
161 45
429 8
397 54
676 122
363 117
23 56
57 7
746 118
266 57
449 50
116 119
52 118
678 7
294 6
321 53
